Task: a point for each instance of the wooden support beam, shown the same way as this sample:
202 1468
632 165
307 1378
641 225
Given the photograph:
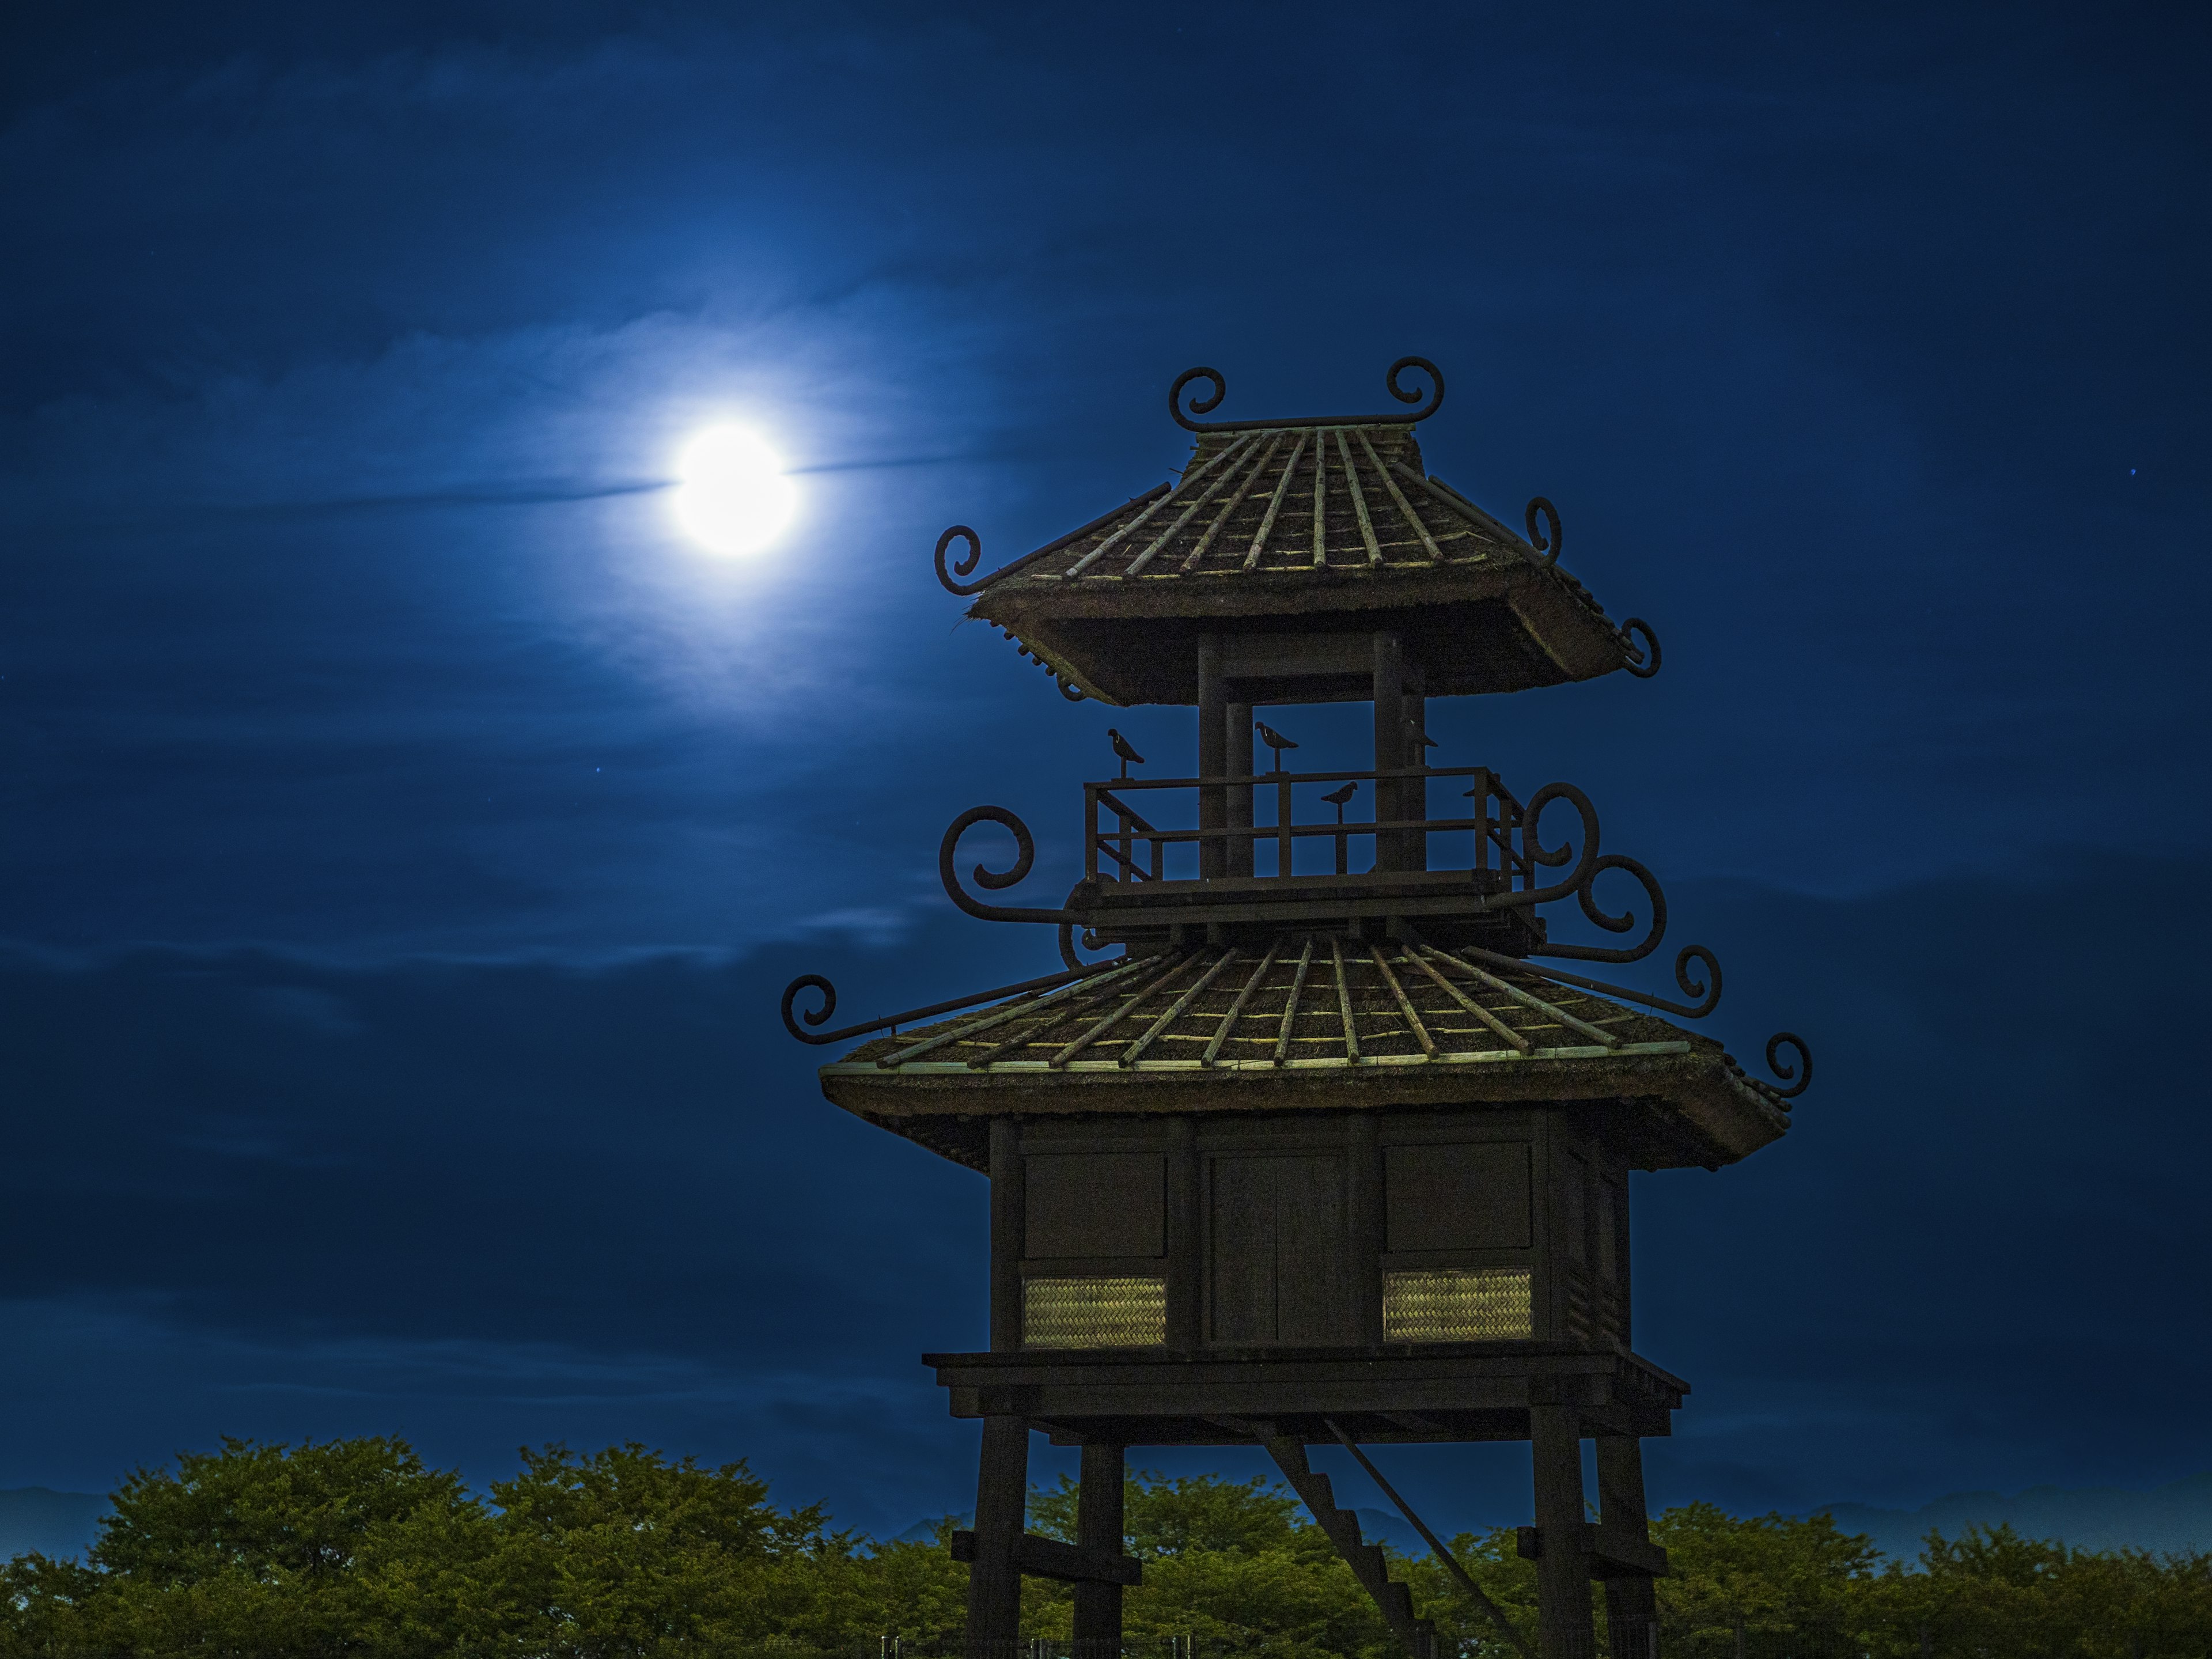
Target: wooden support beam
1007 1215
1237 761
1364 1191
1184 1281
1631 1604
1413 792
1389 688
1099 1534
994 1573
1040 1556
1212 752
1566 1629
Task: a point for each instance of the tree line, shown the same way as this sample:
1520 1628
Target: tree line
357 1548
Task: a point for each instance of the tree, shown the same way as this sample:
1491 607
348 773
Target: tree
1228 1562
626 1555
263 1549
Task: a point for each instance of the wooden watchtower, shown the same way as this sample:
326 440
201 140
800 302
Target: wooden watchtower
1328 1150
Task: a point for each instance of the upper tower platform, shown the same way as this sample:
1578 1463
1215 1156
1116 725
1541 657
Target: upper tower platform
1291 542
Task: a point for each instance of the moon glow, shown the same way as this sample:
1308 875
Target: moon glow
733 497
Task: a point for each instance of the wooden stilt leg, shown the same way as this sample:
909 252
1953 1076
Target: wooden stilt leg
1563 1597
1098 1526
994 1583
1632 1606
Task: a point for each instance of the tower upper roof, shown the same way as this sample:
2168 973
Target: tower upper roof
1293 541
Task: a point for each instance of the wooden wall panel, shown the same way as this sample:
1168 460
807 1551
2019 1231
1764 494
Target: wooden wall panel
1468 1195
1241 1236
1314 1298
1095 1204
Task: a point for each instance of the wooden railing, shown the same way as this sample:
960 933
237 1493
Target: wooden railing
1253 825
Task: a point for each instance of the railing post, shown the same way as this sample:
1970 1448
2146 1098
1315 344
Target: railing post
1090 832
1284 840
1481 816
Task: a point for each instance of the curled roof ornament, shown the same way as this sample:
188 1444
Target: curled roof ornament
1207 405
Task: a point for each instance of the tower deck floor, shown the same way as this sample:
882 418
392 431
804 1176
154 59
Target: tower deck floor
1411 1393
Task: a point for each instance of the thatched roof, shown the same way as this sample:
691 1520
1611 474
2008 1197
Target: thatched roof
1311 1023
1305 530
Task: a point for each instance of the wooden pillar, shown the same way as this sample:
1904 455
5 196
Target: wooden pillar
1563 1597
1099 1527
1008 1215
995 1582
1236 757
1631 1604
1212 751
1185 1271
1363 1170
1414 795
1390 744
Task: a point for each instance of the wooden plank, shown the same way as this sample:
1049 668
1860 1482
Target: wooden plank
1496 1024
1404 1003
1291 1005
1100 1532
995 1577
1099 1028
1094 1204
1186 1288
1344 999
1039 1556
1364 1221
1228 1026
1314 1299
1563 1598
1275 505
1242 1246
1457 1195
1358 500
1135 1052
1008 1210
1529 999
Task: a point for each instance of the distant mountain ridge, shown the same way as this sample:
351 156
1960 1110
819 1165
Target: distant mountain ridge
2169 1519
55 1524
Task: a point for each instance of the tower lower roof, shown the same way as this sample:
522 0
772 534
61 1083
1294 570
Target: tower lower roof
1311 1023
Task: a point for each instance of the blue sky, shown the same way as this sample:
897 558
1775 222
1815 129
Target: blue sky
405 830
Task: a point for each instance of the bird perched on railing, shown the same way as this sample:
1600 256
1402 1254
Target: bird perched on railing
1337 797
1274 740
1123 752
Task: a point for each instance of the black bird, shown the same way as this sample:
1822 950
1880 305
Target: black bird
1274 740
1122 750
1337 797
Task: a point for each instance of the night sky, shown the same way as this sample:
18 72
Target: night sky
407 830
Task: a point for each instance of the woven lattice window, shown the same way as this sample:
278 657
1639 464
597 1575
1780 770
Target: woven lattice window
1096 1313
1456 1304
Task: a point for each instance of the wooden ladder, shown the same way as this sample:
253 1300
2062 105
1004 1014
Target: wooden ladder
1366 1560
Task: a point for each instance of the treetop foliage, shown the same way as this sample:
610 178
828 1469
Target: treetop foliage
356 1548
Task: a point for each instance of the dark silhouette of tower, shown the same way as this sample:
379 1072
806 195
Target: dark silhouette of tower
1316 1154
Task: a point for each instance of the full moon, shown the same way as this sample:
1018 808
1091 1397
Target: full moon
733 496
